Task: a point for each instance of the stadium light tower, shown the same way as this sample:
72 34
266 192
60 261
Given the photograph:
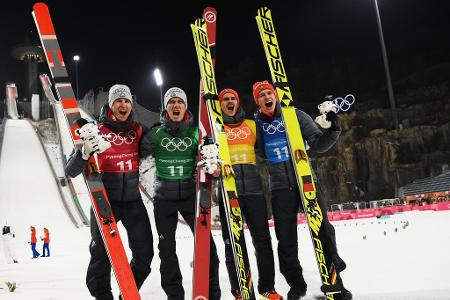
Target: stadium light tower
159 82
76 59
386 67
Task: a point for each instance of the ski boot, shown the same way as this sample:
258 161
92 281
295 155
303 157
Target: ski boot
297 291
343 295
271 295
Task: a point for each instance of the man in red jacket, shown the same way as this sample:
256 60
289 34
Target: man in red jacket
33 242
46 240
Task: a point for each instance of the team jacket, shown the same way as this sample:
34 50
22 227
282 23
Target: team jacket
33 238
241 137
174 145
271 137
120 163
46 237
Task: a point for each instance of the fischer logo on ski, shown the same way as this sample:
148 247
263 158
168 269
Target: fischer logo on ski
232 209
297 149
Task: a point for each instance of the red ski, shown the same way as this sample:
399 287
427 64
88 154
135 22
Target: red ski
99 198
200 280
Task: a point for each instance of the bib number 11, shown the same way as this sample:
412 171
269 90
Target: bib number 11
279 151
178 168
122 164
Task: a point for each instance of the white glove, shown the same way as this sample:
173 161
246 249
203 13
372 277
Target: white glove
324 108
93 140
322 121
89 147
210 157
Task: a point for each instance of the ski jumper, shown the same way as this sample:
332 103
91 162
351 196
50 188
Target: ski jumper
286 200
175 146
241 137
120 175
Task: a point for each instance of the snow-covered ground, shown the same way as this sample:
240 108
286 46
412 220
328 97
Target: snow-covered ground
405 256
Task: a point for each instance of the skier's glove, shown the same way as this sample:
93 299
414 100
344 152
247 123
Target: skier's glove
332 117
93 140
89 147
325 121
209 158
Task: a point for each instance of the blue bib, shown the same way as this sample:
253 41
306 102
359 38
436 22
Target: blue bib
276 146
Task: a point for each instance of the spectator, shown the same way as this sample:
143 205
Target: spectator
46 240
33 241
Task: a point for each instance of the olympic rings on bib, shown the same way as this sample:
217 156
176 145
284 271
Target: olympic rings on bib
121 137
176 143
275 126
238 133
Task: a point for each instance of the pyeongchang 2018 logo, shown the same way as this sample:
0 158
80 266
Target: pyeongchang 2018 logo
237 133
122 137
176 143
275 126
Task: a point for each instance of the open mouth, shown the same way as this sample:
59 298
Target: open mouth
123 113
176 113
230 107
268 104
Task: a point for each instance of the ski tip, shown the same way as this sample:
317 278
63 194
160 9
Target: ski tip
263 11
210 14
40 6
41 15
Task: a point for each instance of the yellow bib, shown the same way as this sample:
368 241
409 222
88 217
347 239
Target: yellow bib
241 142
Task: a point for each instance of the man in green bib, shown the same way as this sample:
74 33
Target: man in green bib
174 146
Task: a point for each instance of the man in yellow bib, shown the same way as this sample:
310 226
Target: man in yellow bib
241 136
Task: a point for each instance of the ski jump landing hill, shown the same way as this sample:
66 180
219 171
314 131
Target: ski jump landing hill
404 257
30 194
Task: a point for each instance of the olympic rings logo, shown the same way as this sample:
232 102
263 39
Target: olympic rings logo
345 103
176 143
275 126
121 137
238 133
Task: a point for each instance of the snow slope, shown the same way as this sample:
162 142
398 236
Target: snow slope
401 257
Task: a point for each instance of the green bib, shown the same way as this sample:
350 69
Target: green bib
175 156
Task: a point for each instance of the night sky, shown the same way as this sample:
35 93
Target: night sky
328 46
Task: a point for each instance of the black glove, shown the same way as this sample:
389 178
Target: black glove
332 117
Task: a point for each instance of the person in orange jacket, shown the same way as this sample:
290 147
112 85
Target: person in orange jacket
33 242
46 240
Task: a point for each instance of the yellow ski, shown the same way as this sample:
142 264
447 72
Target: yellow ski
231 204
297 149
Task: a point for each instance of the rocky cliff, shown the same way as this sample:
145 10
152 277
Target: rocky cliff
372 160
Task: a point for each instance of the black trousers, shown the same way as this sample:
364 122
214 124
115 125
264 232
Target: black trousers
134 218
285 205
254 211
166 219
